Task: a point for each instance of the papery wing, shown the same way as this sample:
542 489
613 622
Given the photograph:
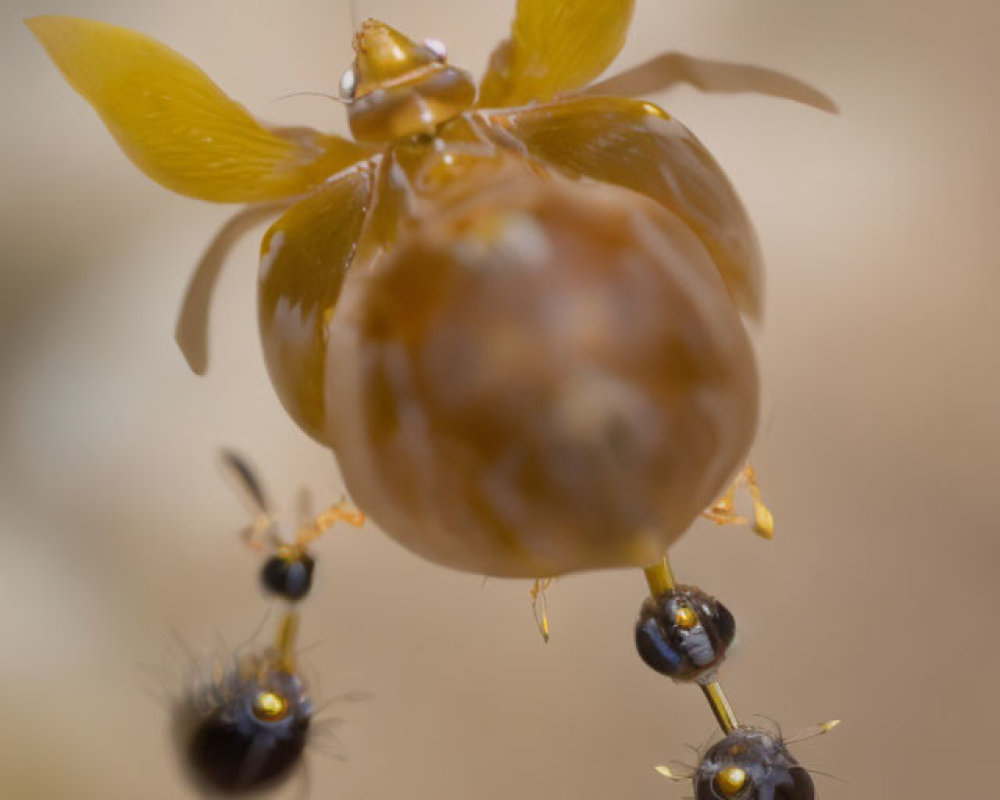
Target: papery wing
667 70
191 331
555 46
304 259
639 146
180 128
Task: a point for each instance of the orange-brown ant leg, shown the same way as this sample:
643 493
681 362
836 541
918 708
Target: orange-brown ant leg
722 511
540 605
259 534
341 511
763 519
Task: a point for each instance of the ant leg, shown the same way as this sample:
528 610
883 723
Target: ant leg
260 535
540 605
722 511
341 511
284 644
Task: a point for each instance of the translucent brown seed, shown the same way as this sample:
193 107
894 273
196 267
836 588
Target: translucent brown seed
546 377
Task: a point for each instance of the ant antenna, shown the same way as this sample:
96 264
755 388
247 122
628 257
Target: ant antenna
311 94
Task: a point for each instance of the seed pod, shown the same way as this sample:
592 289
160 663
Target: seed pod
544 377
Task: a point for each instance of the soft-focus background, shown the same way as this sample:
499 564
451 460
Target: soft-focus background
879 448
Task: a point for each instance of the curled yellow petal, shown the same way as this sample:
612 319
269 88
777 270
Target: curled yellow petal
555 46
191 332
305 256
667 70
180 128
639 146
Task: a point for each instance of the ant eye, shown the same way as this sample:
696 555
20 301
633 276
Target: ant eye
348 85
730 781
436 46
270 706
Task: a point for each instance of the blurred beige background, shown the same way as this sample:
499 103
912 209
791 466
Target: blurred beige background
879 449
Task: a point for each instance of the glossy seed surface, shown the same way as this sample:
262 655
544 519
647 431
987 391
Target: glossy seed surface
550 378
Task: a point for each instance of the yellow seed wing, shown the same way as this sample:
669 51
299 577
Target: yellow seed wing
667 70
305 256
555 46
191 332
177 126
636 145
